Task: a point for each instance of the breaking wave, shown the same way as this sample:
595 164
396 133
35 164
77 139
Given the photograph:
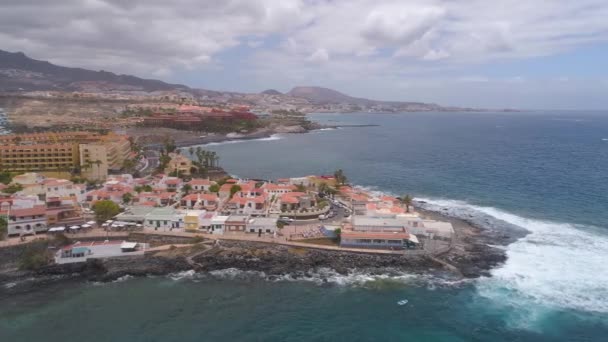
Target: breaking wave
557 266
237 141
326 276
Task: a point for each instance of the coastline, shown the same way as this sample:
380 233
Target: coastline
470 257
187 139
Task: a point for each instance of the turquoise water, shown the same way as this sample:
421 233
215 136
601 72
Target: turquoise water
543 172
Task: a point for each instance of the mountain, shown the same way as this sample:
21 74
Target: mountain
271 92
322 95
326 96
19 72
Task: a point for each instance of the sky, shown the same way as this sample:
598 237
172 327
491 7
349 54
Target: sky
534 54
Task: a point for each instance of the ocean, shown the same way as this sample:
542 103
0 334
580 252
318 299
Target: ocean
544 172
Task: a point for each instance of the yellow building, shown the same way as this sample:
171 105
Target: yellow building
65 152
191 220
179 164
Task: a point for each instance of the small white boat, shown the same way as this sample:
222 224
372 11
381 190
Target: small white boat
402 302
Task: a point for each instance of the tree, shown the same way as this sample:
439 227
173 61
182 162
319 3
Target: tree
331 192
234 189
214 188
406 200
301 188
11 189
3 227
340 177
105 210
186 188
322 188
127 198
338 233
169 145
6 177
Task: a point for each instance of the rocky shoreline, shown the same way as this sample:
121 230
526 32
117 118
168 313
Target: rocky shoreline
470 257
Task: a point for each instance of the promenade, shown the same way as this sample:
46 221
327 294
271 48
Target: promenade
280 240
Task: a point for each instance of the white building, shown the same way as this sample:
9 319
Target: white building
262 225
218 223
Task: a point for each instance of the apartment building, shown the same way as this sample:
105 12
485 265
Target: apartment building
91 154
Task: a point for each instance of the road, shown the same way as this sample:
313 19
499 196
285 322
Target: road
152 158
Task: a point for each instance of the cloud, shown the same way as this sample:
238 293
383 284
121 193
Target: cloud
379 42
319 56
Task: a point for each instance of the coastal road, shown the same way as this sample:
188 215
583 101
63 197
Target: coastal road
152 157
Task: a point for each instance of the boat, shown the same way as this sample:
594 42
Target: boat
402 302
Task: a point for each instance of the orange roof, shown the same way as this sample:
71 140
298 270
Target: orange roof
36 210
274 187
200 181
226 187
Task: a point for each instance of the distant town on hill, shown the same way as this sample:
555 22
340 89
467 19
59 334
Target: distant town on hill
20 74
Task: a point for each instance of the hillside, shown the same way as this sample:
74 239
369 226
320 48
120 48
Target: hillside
19 72
322 95
326 96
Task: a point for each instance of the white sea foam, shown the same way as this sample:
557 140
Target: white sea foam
327 129
10 285
183 275
556 266
123 278
327 276
237 141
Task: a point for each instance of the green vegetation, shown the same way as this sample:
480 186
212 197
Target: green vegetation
144 188
105 210
214 188
341 179
234 189
6 177
406 200
322 204
3 227
301 188
338 235
34 256
222 181
11 189
127 198
280 224
186 188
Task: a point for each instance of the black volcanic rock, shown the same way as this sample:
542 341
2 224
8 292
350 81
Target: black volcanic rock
19 72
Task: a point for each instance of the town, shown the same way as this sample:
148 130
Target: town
74 185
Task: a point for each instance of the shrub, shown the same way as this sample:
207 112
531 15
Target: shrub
34 256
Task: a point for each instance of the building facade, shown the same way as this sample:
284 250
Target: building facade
66 152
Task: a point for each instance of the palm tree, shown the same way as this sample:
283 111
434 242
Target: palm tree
340 177
191 151
331 191
322 188
406 200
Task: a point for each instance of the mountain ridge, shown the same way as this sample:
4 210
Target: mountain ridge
20 72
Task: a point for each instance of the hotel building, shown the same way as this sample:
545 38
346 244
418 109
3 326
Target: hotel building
64 152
